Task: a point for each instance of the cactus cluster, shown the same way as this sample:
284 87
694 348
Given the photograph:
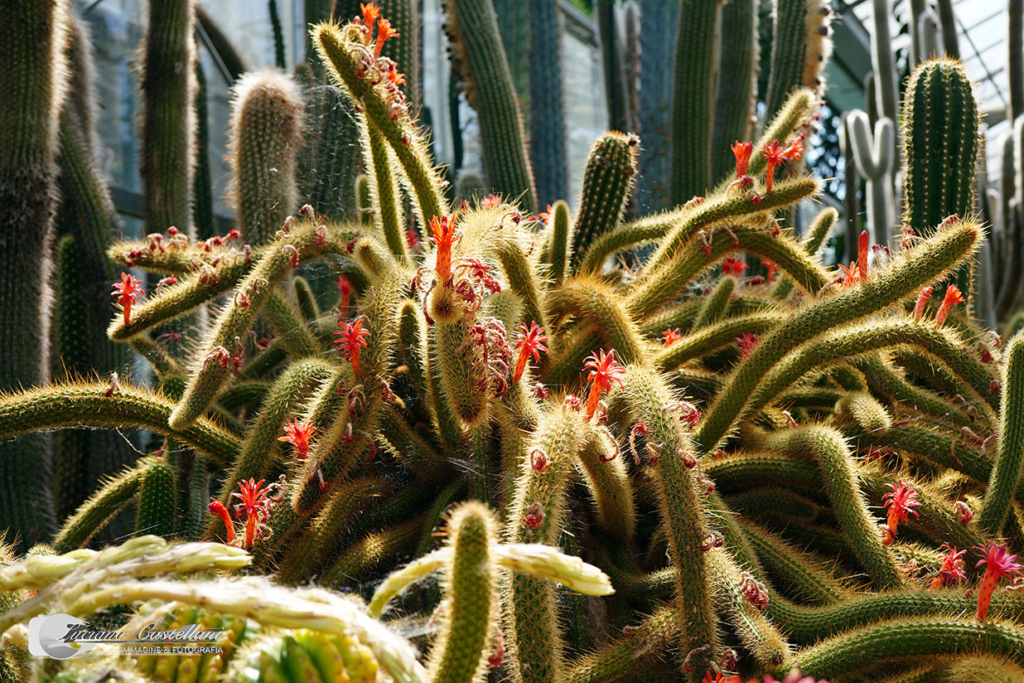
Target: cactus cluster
499 443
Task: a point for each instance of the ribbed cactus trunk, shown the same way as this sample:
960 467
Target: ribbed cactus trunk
1015 59
32 78
168 122
950 35
548 153
658 21
800 47
734 107
875 159
693 98
616 90
516 26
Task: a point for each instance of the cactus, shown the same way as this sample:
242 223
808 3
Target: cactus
796 467
950 33
799 51
1015 60
736 104
882 61
658 22
875 156
548 133
266 132
940 120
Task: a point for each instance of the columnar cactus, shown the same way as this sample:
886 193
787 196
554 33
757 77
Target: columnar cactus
800 49
875 156
736 103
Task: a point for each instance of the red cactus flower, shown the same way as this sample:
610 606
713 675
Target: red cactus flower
952 297
850 276
491 201
352 337
256 503
297 434
998 563
922 301
442 230
901 502
775 156
128 290
734 266
384 31
742 152
604 371
772 269
671 336
370 13
795 150
952 571
748 341
863 244
529 342
345 290
394 76
217 509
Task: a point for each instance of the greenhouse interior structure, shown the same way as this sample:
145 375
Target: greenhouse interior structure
526 341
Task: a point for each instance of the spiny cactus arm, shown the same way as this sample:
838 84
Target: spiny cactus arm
591 298
607 187
801 572
473 30
156 505
272 605
774 502
537 508
459 654
305 298
180 299
608 481
309 552
460 376
682 512
859 412
265 135
289 325
92 515
558 249
820 230
940 126
339 53
1009 465
839 477
947 249
260 448
373 551
163 363
88 404
725 209
343 446
886 380
756 633
522 277
693 259
738 471
629 235
178 256
385 193
621 657
212 364
715 303
853 651
397 581
713 338
167 125
696 72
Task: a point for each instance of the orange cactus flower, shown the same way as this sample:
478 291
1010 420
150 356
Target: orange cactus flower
603 371
922 301
742 152
998 563
217 509
901 502
384 31
443 234
128 291
352 337
775 155
795 150
298 434
394 76
529 342
850 276
952 297
256 503
670 337
370 13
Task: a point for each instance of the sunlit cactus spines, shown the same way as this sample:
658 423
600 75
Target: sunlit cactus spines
388 429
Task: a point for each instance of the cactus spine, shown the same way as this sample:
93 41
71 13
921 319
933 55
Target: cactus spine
940 131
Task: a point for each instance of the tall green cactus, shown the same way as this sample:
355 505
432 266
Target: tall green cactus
696 78
548 132
607 187
940 144
658 22
473 32
266 132
800 48
34 79
735 104
168 121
